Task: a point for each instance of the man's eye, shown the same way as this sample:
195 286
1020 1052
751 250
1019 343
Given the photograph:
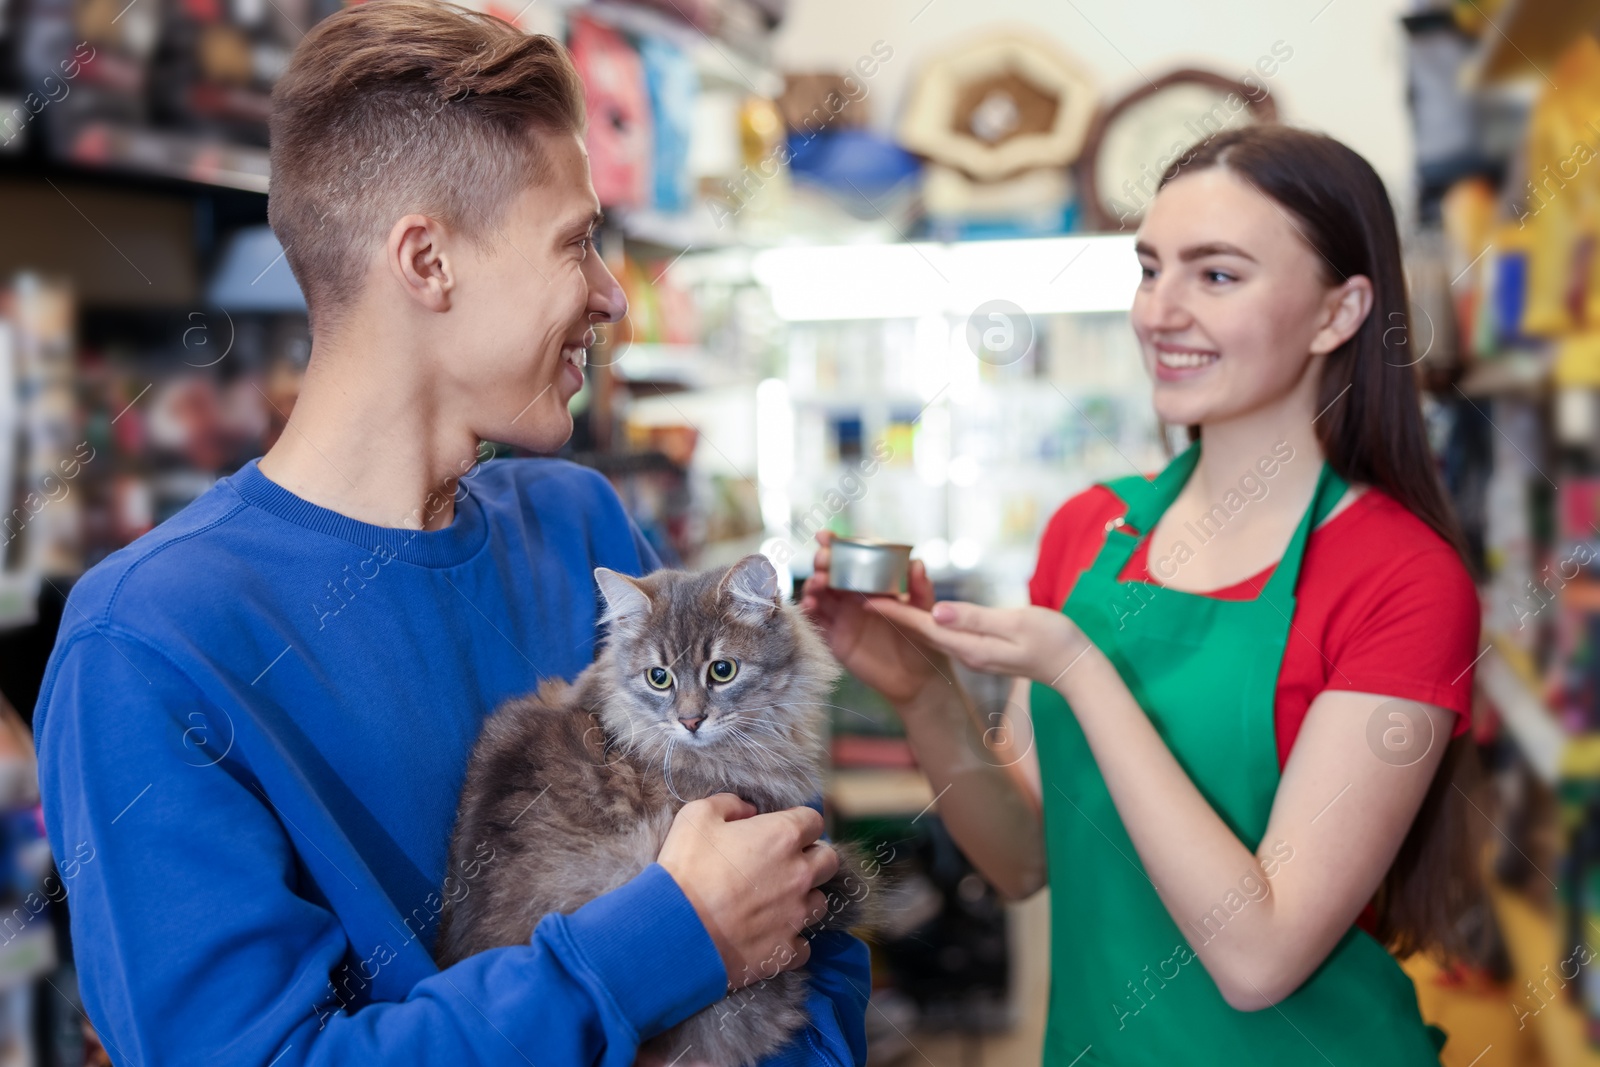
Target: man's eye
1219 276
659 678
723 670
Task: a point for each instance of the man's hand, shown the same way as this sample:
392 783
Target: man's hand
752 879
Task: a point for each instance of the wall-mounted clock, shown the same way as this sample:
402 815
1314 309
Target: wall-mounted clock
1132 142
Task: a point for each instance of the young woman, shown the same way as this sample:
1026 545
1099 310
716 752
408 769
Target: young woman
1242 676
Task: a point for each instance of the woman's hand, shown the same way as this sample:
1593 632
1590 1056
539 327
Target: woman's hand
873 647
1032 642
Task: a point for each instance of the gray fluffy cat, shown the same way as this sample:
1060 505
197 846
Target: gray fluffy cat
707 683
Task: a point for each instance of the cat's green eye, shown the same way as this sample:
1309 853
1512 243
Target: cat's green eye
723 670
659 678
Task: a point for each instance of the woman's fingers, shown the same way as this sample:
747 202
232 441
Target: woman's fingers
909 620
920 586
901 614
973 618
977 645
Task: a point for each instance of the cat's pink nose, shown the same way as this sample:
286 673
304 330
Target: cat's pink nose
693 724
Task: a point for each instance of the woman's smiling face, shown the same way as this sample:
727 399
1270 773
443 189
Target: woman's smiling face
1234 303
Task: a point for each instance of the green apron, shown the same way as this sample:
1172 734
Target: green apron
1126 988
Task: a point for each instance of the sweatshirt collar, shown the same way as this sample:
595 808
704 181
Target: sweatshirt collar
454 544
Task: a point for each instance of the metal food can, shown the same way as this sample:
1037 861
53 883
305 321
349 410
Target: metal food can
866 565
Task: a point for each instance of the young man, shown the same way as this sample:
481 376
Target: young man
257 718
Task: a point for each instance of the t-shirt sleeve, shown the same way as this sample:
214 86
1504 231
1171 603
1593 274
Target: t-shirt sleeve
199 940
1415 636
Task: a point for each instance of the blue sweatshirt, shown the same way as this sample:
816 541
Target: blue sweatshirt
252 735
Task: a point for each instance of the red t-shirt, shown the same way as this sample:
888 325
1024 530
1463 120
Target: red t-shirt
1385 604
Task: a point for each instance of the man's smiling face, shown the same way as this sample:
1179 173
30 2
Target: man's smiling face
527 306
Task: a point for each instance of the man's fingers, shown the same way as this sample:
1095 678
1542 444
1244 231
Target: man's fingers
816 907
727 806
824 862
807 824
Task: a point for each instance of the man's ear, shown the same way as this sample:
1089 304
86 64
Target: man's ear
626 605
416 258
1348 306
751 589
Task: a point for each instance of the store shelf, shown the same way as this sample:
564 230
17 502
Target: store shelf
719 62
1038 276
1524 39
1515 372
1537 734
859 794
19 599
683 366
690 231
158 153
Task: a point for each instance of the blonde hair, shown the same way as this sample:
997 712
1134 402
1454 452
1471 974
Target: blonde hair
399 106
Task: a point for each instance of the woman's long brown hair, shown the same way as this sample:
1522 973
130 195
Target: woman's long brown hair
1371 431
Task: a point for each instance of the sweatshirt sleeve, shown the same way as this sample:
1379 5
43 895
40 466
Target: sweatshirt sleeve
198 939
840 976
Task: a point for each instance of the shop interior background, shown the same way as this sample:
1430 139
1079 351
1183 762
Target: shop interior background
878 259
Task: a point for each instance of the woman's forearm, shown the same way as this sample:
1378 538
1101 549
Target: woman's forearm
980 791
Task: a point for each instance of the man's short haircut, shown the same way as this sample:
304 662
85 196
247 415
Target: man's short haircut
399 106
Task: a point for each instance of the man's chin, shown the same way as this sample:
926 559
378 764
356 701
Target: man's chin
542 429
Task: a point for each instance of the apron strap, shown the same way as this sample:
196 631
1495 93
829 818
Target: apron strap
1330 490
1148 500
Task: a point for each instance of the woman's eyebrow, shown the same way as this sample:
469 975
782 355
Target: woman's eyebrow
1193 252
1213 248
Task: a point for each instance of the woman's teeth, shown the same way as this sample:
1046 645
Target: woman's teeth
1183 360
578 357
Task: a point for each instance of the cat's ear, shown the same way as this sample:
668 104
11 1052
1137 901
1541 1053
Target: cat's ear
751 589
626 605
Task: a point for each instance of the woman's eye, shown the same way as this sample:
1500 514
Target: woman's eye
659 678
723 670
1147 273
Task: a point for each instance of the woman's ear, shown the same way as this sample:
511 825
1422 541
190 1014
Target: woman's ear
1343 311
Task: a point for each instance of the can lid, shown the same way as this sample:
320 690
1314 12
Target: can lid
869 542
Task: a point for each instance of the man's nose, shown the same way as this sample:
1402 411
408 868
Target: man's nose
607 302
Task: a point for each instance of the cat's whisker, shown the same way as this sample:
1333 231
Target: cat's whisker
747 741
666 770
813 703
744 720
